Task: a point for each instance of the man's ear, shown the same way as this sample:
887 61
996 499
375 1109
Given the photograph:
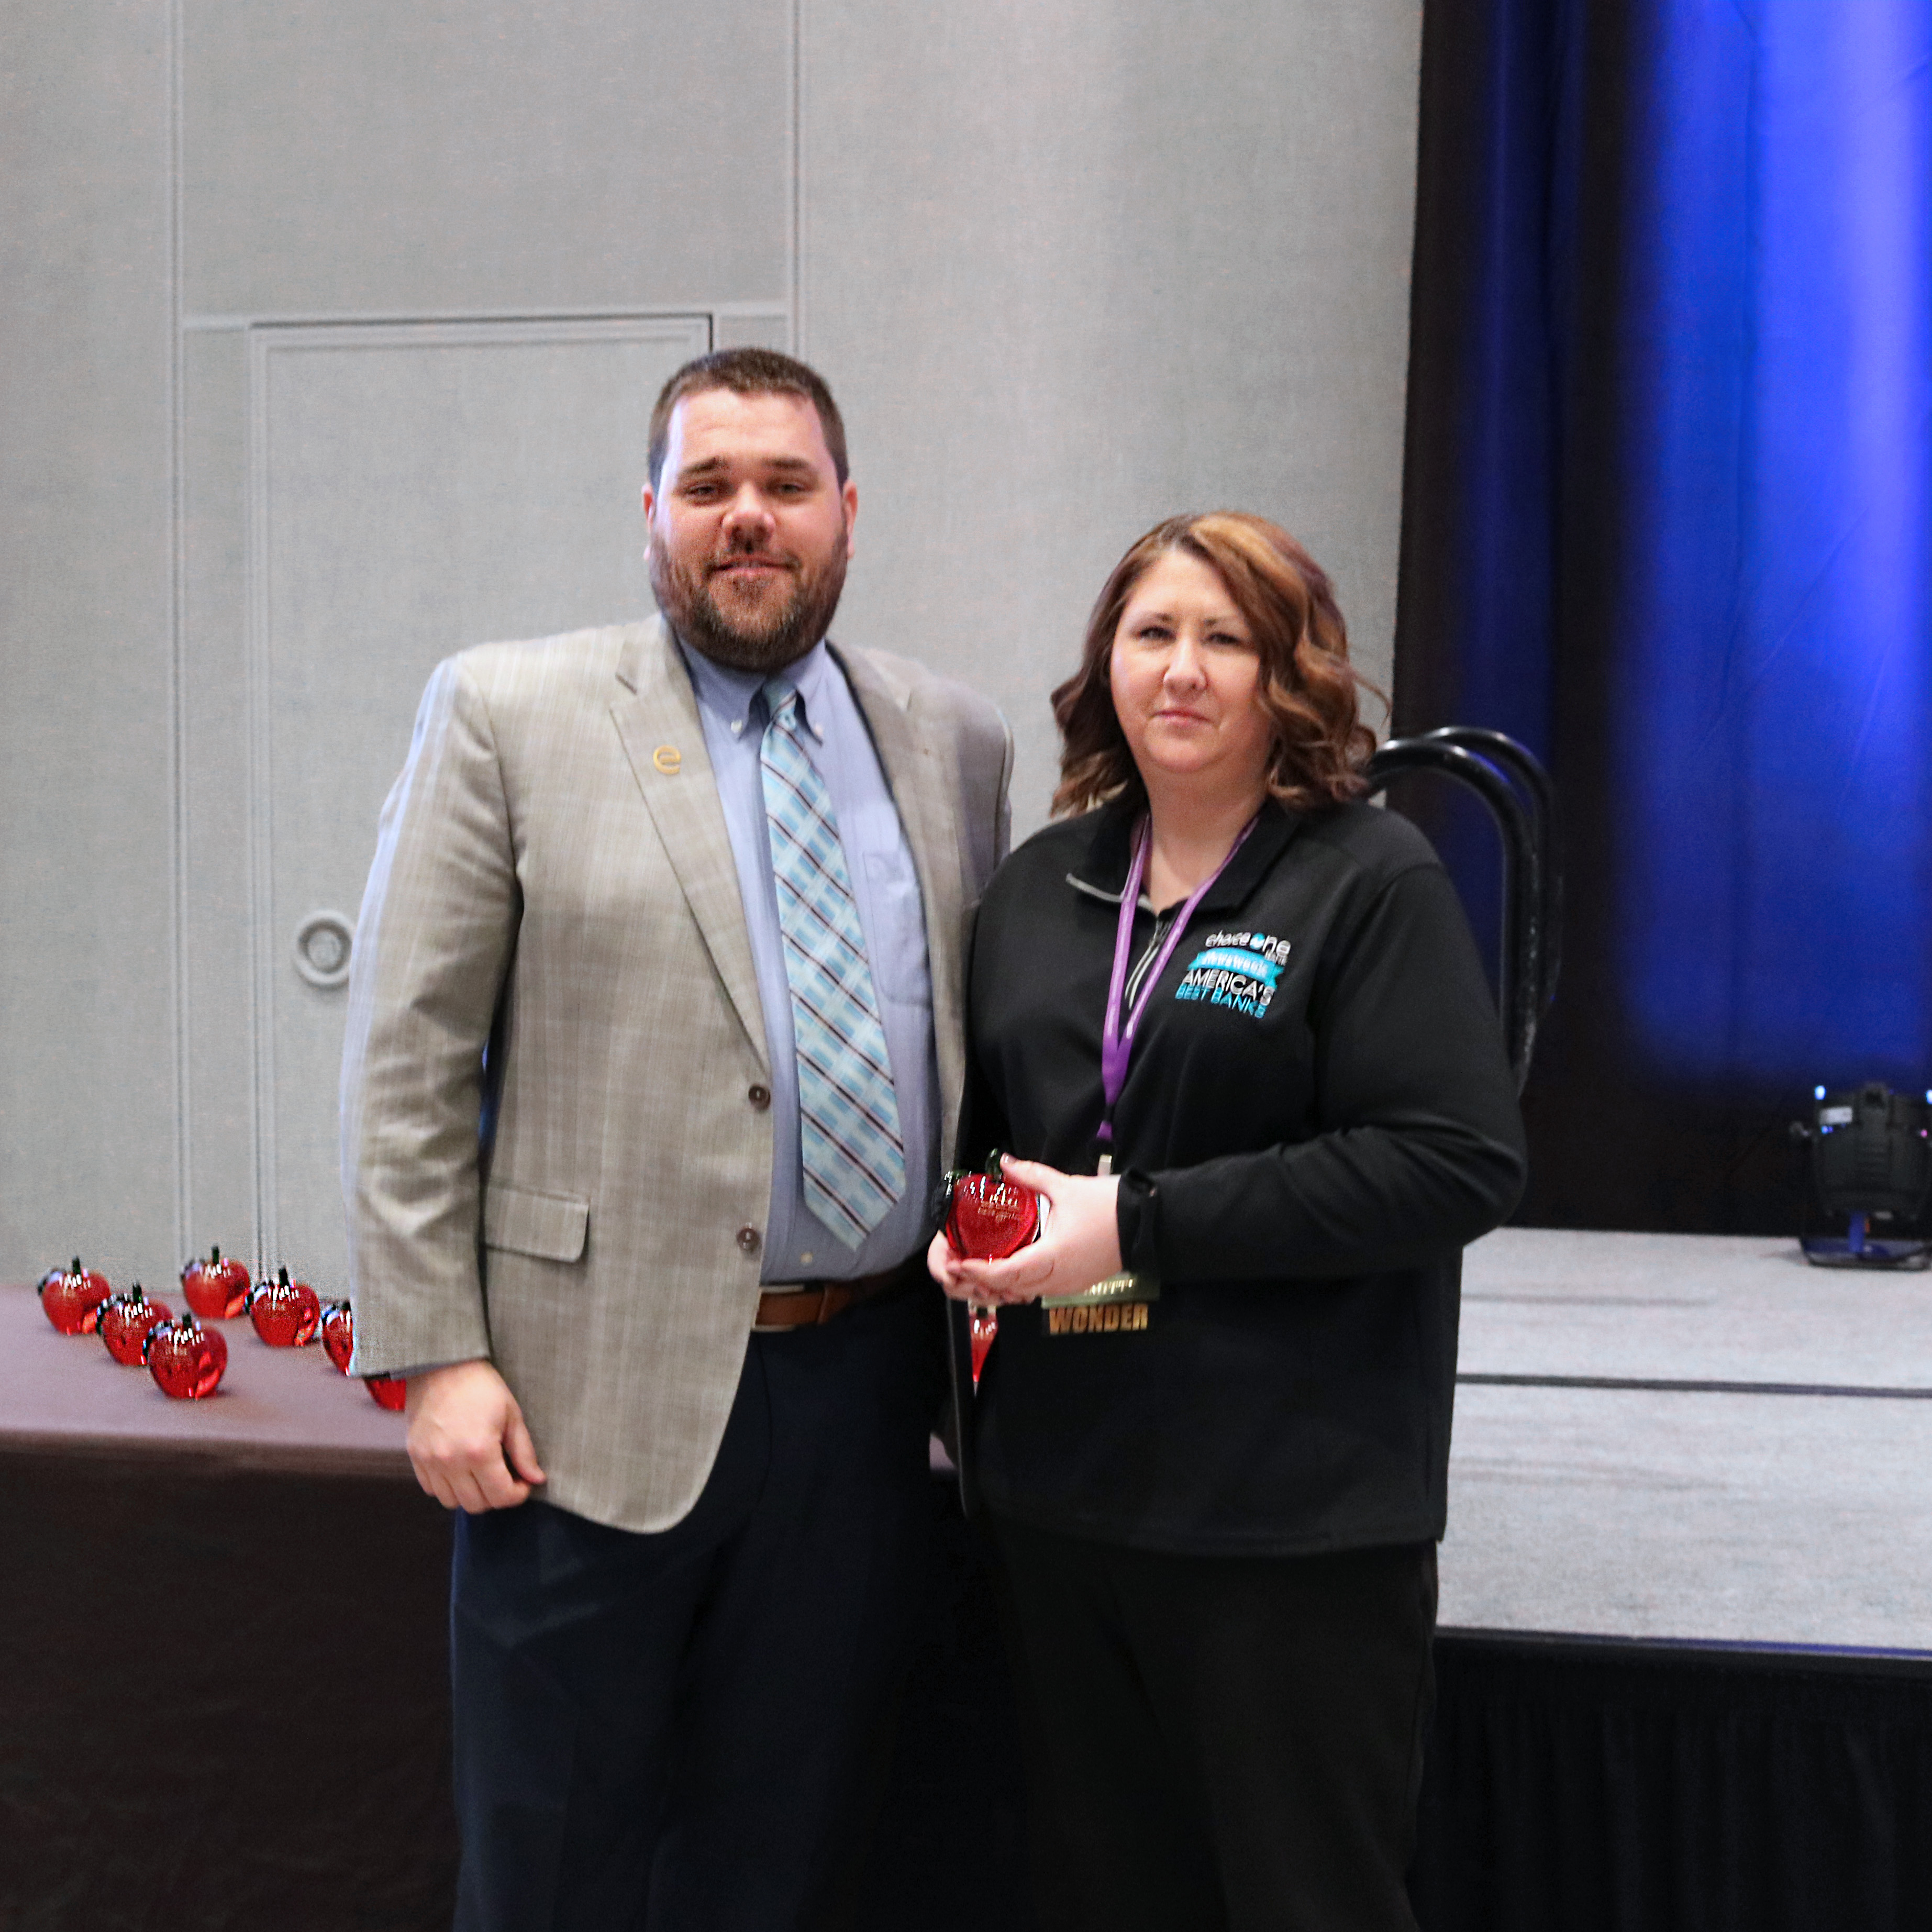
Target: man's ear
849 496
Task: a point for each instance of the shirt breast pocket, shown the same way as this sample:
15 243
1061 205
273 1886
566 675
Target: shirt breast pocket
901 970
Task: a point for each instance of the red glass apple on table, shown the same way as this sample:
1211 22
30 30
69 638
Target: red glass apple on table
389 1391
216 1288
338 1341
338 1333
285 1313
187 1361
72 1297
125 1320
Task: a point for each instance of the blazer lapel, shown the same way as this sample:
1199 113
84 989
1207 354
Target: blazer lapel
923 791
656 713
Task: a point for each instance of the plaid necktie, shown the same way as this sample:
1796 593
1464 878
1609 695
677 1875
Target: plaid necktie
848 1116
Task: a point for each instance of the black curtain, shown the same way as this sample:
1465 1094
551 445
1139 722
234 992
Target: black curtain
1598 1786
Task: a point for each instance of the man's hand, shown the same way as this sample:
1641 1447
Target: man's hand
1082 1244
467 1439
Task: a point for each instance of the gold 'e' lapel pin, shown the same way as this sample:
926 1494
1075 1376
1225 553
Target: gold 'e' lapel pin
667 759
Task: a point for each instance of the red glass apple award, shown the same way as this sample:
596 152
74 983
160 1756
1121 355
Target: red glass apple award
125 1320
216 1288
338 1333
186 1359
390 1391
285 1313
989 1218
72 1298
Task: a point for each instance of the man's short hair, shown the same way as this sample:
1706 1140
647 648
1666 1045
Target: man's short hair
747 372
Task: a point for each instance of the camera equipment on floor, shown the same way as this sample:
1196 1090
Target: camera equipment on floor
1871 1160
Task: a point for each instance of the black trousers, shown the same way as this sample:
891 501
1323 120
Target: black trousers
1218 1742
690 1730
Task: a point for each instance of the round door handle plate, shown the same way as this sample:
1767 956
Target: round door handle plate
323 943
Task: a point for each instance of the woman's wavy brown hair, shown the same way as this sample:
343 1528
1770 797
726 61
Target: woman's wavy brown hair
1307 687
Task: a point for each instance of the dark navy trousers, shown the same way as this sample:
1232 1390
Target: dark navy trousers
1220 1744
690 1730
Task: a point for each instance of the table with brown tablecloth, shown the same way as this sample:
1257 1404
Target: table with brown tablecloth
223 1700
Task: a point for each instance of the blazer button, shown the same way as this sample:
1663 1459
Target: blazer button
748 1240
760 1097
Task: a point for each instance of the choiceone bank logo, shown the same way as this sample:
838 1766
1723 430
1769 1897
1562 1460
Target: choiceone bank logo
1239 971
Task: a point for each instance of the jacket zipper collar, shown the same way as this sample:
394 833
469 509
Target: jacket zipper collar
1100 893
1102 873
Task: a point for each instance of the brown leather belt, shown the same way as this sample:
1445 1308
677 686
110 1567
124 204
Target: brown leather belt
809 1307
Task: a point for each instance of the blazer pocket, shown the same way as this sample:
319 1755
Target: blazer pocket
527 1221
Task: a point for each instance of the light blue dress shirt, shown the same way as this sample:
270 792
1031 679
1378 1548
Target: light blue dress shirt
798 1246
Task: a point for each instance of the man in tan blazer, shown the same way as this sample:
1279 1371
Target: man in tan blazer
654 1037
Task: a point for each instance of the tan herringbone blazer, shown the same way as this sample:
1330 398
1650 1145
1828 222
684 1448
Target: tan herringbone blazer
554 883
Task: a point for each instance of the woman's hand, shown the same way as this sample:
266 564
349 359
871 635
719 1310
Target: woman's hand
1082 1244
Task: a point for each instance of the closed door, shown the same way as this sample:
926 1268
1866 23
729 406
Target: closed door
413 488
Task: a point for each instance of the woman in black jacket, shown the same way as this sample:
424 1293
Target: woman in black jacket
1231 1016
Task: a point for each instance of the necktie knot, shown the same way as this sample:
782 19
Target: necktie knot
781 703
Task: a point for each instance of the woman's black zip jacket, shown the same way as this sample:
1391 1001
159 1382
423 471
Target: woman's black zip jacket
1317 1116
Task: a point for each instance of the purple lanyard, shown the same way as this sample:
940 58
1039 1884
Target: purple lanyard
1117 1042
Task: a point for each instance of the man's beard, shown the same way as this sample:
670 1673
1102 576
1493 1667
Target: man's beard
765 643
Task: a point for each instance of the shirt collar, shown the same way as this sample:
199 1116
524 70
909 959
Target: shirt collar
728 694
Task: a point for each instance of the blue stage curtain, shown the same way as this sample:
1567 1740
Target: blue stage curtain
1668 519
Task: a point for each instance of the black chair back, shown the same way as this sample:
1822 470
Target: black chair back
1522 801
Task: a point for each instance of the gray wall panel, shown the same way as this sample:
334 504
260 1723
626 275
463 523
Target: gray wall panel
87 1109
1071 263
354 157
216 949
1074 264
